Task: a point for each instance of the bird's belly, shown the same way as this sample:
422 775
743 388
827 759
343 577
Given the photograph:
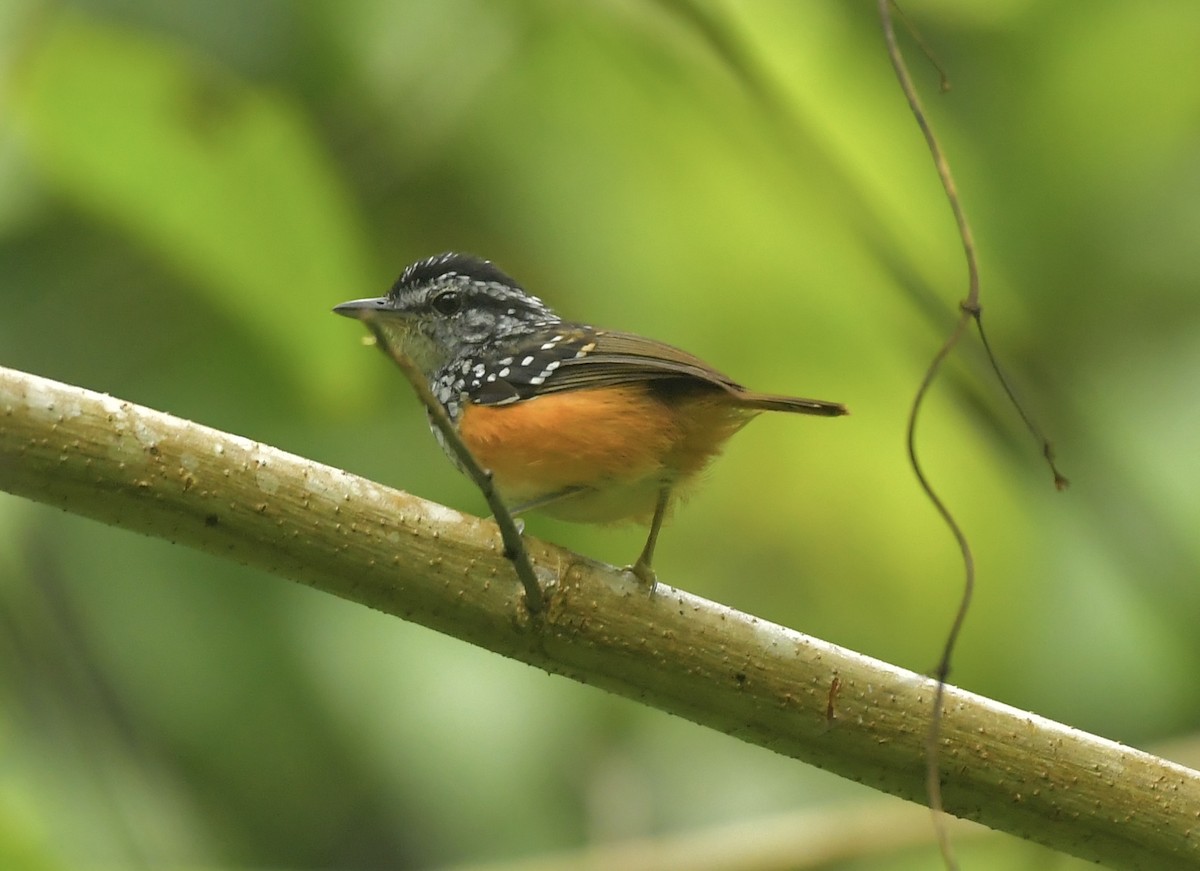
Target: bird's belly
604 453
613 502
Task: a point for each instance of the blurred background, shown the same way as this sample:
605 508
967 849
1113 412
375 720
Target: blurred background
187 188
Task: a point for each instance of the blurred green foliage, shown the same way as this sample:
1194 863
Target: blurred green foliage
187 188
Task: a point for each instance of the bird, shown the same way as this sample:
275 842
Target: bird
583 424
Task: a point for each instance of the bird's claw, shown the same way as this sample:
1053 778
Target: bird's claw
645 575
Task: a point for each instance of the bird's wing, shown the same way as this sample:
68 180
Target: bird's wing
569 357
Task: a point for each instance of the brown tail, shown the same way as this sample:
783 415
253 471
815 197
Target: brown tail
794 404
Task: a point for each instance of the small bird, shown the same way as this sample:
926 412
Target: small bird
584 424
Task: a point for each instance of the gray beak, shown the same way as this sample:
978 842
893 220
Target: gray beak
363 309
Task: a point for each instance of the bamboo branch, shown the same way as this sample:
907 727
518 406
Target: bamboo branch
146 471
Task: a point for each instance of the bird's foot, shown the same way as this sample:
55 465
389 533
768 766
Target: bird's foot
645 575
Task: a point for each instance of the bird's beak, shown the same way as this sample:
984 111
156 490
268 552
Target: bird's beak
363 309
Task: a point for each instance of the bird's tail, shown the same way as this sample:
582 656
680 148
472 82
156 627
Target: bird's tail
794 404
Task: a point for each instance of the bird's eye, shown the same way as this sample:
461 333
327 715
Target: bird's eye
447 302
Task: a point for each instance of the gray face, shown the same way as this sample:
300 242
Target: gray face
447 308
455 316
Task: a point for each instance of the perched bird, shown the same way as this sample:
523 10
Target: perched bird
582 423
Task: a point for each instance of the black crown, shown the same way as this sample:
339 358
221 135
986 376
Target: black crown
452 263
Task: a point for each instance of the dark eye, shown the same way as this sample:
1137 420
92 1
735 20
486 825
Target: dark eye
447 302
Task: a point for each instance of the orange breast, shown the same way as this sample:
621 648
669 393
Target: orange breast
618 445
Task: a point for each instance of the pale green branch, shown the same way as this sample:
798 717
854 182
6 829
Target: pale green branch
143 470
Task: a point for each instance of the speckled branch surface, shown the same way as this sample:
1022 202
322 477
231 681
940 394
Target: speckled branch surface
149 472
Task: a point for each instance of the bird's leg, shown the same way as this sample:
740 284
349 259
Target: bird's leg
641 569
548 499
558 496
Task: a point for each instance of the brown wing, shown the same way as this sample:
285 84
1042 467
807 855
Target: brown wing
610 358
603 358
